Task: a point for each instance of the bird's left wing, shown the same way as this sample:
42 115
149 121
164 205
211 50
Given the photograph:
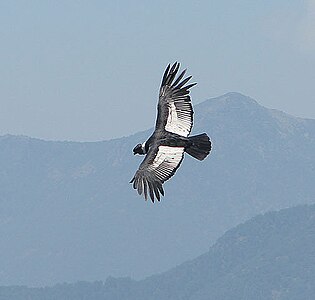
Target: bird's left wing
175 112
159 165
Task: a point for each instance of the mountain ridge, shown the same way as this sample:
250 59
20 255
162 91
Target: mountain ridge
227 98
270 256
67 207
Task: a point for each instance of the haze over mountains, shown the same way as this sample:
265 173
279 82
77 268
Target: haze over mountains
67 212
272 256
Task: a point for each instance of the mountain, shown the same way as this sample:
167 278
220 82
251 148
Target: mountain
272 256
68 213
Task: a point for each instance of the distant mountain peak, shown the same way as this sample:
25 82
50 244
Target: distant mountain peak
230 101
236 96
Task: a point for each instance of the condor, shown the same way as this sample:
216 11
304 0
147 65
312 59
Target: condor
170 140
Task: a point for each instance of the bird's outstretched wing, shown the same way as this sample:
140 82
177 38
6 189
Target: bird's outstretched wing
159 165
175 113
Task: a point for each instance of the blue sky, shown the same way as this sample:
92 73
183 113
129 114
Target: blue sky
90 70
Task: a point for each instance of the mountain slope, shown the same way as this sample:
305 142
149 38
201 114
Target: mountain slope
269 257
272 256
67 212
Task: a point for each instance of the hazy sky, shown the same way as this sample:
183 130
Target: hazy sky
90 70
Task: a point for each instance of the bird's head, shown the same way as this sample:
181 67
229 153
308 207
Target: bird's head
138 150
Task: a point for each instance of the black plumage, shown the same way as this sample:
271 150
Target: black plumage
165 148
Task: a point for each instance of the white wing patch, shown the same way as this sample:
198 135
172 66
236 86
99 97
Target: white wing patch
166 161
179 119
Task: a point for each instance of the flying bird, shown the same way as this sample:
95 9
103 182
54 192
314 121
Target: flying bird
165 148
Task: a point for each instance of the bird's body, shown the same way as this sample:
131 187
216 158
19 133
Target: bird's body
166 146
166 138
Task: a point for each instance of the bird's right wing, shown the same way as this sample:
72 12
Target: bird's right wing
175 112
159 165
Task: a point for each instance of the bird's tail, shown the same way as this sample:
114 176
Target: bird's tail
200 146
